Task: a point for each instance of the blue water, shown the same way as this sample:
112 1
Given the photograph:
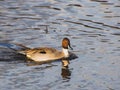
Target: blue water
93 27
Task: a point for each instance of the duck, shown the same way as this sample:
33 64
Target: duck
42 54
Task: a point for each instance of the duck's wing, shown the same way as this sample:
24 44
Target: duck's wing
41 50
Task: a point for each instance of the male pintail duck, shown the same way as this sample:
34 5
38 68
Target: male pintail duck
48 54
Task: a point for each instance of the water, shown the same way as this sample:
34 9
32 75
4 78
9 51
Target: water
93 27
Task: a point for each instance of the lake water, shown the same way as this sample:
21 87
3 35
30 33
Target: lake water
93 26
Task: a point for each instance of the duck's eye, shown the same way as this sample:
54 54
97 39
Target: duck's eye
42 52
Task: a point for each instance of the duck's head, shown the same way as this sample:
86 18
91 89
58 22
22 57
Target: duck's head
66 43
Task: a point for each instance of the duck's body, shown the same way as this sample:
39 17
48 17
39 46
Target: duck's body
44 54
47 54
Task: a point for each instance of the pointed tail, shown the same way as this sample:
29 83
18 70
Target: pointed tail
14 46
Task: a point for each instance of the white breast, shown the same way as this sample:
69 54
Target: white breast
65 51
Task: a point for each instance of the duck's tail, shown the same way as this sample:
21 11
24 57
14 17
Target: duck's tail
14 46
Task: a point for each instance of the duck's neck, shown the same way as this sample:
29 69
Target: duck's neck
65 51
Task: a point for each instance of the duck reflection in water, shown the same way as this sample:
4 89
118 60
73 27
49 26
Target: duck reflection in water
65 72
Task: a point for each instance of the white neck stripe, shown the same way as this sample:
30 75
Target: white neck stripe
65 51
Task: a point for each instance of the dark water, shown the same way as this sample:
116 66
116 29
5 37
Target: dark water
93 27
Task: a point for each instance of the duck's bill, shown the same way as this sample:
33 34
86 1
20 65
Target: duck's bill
70 47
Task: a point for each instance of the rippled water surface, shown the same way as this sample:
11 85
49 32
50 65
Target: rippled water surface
93 27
